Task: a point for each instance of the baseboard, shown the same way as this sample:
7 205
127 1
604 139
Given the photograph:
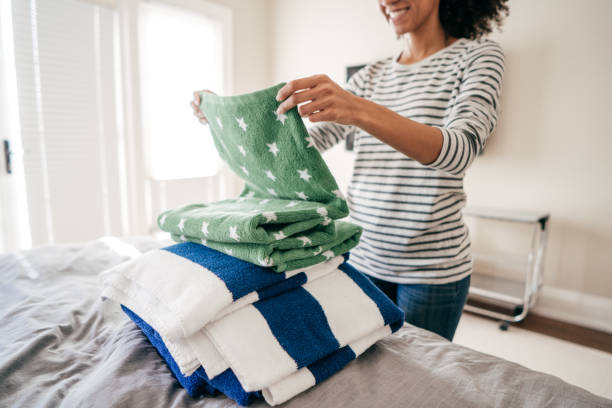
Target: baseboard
591 311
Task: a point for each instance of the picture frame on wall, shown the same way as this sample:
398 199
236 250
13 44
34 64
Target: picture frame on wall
349 143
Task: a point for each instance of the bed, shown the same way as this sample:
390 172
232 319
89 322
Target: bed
61 346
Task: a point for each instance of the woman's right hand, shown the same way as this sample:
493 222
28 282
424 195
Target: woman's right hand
195 105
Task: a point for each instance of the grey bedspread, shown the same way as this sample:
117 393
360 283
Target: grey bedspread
60 346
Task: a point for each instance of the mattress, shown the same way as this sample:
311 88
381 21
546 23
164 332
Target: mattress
61 346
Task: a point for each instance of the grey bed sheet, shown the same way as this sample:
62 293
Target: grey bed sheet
60 346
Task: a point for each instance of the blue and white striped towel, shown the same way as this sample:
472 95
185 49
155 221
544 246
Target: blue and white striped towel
271 344
199 384
186 286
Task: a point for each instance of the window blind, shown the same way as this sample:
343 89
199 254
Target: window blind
65 64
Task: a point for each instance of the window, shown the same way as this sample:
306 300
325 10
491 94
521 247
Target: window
66 98
180 50
80 78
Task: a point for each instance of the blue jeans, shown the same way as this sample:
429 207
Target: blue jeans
436 308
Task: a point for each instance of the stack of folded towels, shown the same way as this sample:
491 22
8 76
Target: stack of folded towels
257 300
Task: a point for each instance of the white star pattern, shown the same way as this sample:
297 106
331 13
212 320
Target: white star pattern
328 254
266 201
181 224
279 235
292 204
310 141
270 175
234 233
326 221
242 150
273 148
203 241
317 251
205 228
338 194
162 221
245 170
304 174
305 240
271 191
301 195
270 216
267 262
281 117
223 144
219 123
251 194
241 123
183 238
228 251
322 211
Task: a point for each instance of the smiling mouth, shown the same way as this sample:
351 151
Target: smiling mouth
394 15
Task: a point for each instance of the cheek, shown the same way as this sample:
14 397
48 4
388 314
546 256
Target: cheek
407 24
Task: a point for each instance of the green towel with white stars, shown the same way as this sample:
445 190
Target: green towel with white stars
285 217
308 248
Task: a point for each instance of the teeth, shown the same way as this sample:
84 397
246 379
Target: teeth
396 13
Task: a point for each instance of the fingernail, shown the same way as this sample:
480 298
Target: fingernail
278 97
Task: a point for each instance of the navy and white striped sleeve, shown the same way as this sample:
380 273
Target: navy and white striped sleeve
474 114
328 134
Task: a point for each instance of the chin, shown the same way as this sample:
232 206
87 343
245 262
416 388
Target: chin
401 30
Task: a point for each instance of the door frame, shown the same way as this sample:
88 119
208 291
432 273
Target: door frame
14 222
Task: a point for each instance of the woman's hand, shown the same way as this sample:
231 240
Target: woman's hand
326 100
195 105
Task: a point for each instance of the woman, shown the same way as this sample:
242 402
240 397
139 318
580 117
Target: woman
419 119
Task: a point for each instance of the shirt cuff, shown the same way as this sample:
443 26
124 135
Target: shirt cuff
443 157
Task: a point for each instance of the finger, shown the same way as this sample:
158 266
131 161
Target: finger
309 108
321 116
199 114
196 110
299 84
297 98
196 97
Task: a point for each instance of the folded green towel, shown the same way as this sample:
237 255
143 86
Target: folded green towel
310 248
284 217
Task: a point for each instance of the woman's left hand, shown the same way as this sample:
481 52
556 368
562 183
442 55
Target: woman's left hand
326 101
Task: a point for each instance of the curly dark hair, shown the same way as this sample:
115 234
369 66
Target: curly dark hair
472 18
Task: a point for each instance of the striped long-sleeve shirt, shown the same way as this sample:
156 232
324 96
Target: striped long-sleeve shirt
413 230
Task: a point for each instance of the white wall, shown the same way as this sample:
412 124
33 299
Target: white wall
323 37
551 149
252 47
553 145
